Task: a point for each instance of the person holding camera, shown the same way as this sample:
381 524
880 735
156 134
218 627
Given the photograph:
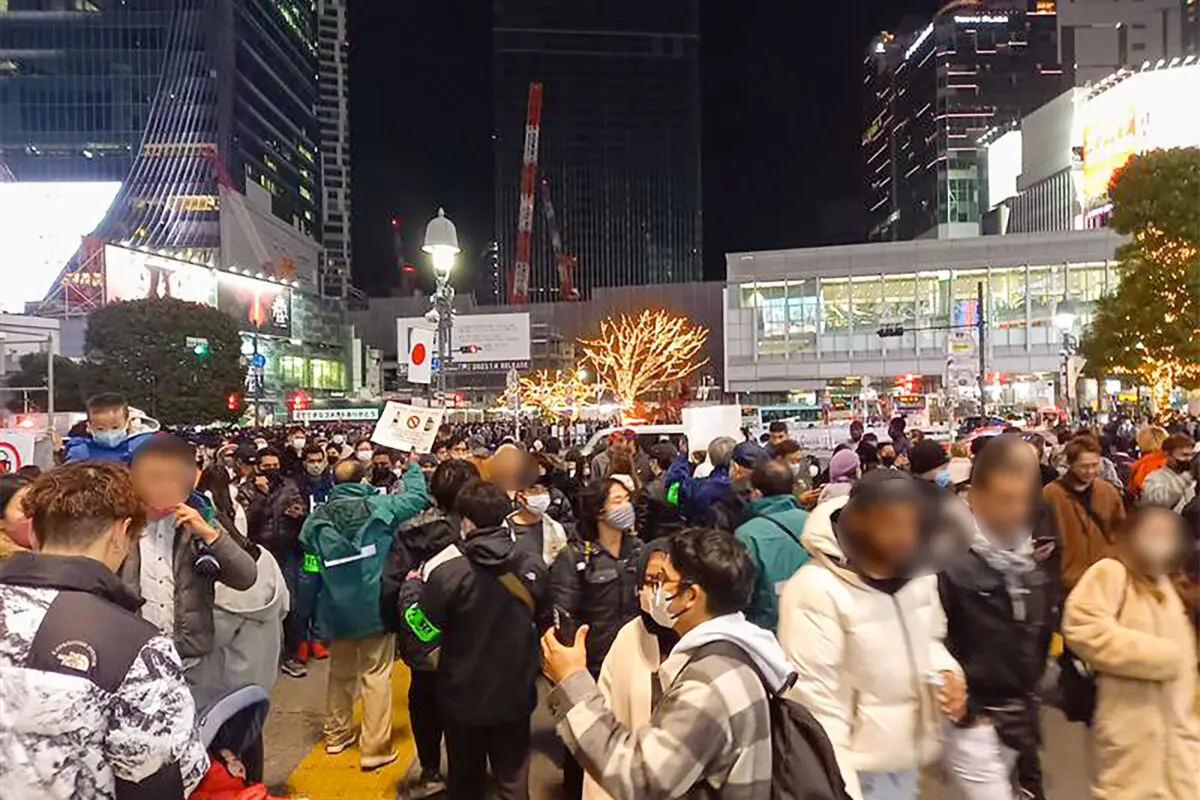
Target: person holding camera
182 552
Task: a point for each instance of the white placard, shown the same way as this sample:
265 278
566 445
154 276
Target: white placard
16 450
408 428
702 424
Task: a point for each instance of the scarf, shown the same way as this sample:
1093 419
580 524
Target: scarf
1012 563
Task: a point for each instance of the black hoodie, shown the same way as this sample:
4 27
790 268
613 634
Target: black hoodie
418 540
482 595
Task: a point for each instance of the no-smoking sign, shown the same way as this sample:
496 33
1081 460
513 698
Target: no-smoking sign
10 458
408 428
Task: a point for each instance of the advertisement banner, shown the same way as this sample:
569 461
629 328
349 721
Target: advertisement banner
480 342
137 275
336 414
256 305
408 428
16 450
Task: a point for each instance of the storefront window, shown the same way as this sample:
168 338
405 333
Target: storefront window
835 305
933 297
900 299
966 296
292 371
868 304
1045 290
1008 297
327 374
802 315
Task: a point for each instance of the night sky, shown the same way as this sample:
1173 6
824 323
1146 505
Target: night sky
781 123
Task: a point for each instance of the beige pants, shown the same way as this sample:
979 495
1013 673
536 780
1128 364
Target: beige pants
365 664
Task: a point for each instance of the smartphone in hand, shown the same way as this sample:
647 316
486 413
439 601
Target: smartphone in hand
565 626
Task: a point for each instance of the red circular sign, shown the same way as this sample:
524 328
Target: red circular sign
10 458
418 354
413 422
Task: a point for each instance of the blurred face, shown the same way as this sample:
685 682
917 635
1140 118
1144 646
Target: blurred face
441 453
622 445
1085 469
886 537
161 482
108 419
460 451
1180 459
1003 505
777 437
1157 543
269 465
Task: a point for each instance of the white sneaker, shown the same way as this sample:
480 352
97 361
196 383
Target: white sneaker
369 763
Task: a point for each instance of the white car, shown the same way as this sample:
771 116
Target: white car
647 436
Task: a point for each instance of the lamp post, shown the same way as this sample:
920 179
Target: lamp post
1064 319
441 242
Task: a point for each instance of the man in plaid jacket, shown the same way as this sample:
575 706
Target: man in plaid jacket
710 733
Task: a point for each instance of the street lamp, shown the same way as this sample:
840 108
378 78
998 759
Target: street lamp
441 242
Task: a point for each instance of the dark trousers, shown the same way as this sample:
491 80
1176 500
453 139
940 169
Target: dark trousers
300 624
425 717
470 750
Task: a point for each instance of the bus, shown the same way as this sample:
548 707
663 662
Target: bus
759 418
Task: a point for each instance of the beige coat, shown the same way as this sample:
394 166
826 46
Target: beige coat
626 681
1145 737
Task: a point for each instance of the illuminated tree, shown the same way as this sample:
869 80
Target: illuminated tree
552 391
635 356
1150 327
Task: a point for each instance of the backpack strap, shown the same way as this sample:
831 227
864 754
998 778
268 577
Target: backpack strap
736 653
781 527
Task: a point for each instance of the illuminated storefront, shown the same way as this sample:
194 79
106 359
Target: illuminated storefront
799 319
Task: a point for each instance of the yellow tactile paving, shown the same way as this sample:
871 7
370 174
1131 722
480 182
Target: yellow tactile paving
325 777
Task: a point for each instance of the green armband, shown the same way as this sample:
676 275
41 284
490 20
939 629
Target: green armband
673 495
311 564
419 624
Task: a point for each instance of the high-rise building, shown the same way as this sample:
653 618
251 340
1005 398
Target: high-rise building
1098 37
931 91
619 140
333 121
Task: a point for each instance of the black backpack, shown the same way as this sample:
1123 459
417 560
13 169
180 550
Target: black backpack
418 655
803 764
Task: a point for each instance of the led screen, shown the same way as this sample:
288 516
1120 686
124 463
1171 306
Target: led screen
40 228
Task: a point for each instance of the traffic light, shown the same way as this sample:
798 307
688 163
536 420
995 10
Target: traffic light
199 346
890 331
233 401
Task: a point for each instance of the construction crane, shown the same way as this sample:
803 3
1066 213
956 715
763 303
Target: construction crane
565 261
519 278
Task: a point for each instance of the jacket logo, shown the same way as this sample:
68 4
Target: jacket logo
76 656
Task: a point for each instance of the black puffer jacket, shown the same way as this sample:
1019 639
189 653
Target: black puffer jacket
598 590
1002 647
417 541
267 520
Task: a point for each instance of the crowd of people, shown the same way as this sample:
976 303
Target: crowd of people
739 620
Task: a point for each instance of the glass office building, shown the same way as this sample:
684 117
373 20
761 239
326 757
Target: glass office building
77 79
799 318
620 138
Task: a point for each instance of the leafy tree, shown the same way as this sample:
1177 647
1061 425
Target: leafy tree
1150 327
140 349
71 383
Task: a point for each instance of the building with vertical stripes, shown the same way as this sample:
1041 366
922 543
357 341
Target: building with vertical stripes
333 123
619 140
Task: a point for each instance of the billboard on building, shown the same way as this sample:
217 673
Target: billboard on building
480 342
136 275
41 225
259 306
1142 112
255 240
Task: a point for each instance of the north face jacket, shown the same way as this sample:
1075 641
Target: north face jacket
94 705
345 544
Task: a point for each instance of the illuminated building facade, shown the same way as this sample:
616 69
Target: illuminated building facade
1098 37
931 92
333 122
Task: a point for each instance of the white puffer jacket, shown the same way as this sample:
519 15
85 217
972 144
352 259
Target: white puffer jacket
864 658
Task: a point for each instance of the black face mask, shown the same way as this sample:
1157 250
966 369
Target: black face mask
272 475
887 461
380 472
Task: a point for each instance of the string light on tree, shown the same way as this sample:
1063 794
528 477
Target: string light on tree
651 351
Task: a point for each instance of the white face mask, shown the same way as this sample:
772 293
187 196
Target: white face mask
364 455
299 442
538 503
339 438
660 610
795 468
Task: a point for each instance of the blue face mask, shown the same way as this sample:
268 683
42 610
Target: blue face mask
943 477
111 438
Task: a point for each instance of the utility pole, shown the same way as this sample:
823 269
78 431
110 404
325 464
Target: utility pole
981 323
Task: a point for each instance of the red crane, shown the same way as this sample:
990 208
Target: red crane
565 261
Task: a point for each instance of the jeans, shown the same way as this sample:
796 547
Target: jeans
302 621
979 763
471 748
425 717
900 785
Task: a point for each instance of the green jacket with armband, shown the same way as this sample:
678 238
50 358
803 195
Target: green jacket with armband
345 543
